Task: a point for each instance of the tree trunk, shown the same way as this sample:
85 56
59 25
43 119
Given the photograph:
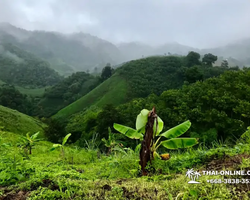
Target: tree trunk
145 153
30 149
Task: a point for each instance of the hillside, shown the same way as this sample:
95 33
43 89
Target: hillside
14 121
66 53
21 68
137 78
113 90
65 92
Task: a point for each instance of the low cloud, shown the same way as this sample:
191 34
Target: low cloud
197 23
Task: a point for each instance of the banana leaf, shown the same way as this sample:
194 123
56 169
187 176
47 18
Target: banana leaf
142 119
129 132
159 127
66 138
177 130
177 143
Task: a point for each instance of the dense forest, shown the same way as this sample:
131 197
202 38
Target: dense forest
21 68
65 92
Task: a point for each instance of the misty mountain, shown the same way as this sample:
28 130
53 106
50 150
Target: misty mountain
106 51
174 48
238 50
235 53
135 50
21 68
66 53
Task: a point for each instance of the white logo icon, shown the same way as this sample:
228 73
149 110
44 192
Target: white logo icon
193 175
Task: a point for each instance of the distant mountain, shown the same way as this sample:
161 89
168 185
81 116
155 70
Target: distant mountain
238 50
66 53
236 53
174 48
106 51
135 50
22 68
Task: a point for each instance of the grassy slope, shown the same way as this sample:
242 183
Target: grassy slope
32 92
14 121
46 176
112 91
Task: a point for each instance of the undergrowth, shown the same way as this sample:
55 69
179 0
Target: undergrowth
89 174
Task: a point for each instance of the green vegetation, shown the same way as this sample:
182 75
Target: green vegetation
14 121
139 78
217 107
12 98
65 53
111 91
29 141
183 90
85 173
21 68
65 92
61 146
36 92
148 127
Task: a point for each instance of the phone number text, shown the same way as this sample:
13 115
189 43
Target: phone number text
229 181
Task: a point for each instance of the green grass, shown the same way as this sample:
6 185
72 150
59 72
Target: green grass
112 91
82 174
14 121
37 92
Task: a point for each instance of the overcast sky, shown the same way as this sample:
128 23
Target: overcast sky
197 23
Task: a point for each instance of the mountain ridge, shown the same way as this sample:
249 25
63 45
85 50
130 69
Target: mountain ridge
80 51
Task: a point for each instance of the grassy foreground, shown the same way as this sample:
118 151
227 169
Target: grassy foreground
89 174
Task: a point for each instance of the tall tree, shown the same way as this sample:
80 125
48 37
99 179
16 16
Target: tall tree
193 74
193 58
224 64
209 59
106 72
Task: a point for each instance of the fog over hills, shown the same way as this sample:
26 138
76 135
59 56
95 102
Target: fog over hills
84 52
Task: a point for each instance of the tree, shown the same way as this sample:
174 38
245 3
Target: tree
106 72
193 58
55 130
209 59
106 118
193 74
224 64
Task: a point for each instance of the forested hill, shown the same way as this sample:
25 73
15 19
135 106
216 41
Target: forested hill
66 53
65 92
21 68
139 78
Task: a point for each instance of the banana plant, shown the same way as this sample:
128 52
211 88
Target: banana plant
29 141
110 142
61 146
171 135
